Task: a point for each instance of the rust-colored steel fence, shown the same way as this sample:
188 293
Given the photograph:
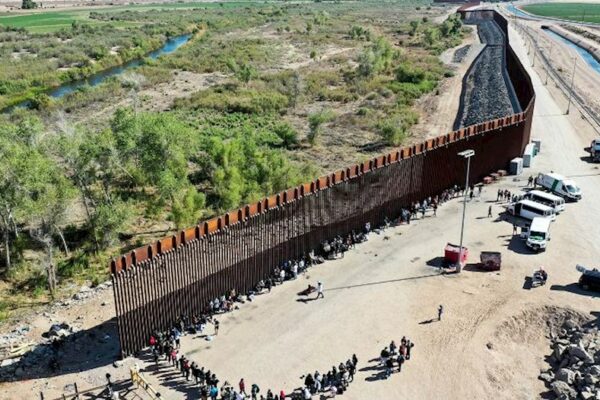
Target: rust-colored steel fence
154 285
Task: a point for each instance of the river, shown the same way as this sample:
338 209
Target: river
170 46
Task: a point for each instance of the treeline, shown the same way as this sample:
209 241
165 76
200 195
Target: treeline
142 168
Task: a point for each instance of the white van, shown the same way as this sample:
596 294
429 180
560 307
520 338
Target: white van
547 199
559 185
538 234
530 209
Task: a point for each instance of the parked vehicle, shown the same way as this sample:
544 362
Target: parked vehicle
560 185
595 150
547 199
538 234
530 209
590 278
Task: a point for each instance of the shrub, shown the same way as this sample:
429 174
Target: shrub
315 121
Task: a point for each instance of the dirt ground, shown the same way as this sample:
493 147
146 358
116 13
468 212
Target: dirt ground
490 343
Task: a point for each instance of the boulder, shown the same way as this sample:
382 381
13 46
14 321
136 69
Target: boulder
569 324
546 377
581 354
565 375
587 395
594 370
563 390
558 351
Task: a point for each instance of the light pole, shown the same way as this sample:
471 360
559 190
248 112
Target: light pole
572 82
465 154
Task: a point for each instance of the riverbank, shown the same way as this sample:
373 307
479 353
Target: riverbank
93 78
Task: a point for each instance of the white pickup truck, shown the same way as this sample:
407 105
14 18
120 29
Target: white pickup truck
559 185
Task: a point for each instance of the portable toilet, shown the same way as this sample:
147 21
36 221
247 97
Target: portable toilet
528 155
516 166
538 146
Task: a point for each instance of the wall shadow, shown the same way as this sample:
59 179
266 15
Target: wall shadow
81 351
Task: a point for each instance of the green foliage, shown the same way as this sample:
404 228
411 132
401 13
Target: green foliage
581 12
243 72
394 129
410 73
287 134
359 33
244 100
377 58
28 4
440 37
315 121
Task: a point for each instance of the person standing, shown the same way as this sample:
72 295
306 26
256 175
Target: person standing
216 323
514 229
320 290
435 209
490 212
242 386
440 312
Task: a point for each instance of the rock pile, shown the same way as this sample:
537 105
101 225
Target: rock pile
575 361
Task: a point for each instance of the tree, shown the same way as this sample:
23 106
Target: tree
28 4
33 189
377 58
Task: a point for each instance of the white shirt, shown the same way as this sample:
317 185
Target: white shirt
320 287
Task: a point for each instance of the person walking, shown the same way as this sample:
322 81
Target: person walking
490 211
514 229
320 290
440 312
216 323
435 209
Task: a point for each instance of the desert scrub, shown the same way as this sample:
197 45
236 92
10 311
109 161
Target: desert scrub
236 99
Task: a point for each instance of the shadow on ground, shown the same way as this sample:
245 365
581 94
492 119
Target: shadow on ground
80 351
574 288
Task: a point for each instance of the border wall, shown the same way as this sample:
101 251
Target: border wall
180 274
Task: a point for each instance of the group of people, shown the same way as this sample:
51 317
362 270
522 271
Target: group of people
394 355
335 381
430 203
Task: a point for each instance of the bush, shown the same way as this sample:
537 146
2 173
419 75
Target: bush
409 73
287 134
315 121
249 101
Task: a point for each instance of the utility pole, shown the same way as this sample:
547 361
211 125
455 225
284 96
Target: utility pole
572 82
465 154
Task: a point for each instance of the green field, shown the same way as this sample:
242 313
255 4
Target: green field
580 12
51 21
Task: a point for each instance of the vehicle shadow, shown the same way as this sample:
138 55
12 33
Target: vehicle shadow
80 351
574 288
517 245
